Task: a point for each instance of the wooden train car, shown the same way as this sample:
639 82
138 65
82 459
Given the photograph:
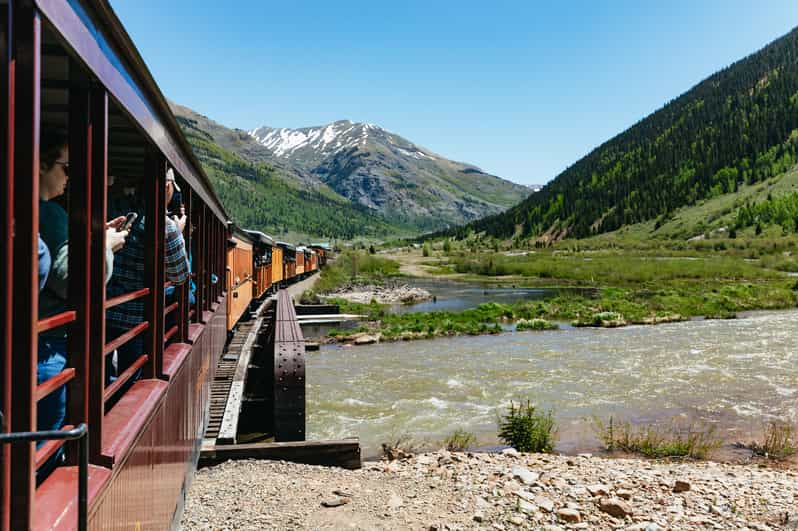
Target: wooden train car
289 261
300 261
323 251
240 278
262 262
71 70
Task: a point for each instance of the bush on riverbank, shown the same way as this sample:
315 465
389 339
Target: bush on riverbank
535 324
528 430
658 441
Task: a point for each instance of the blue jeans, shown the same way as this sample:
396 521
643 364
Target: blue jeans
50 410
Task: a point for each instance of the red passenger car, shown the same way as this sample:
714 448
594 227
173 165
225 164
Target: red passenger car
71 68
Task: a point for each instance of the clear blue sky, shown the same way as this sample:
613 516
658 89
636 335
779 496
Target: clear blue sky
521 89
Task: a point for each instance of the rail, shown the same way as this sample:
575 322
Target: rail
79 433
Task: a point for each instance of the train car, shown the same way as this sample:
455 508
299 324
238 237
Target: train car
71 71
278 269
240 278
289 261
262 262
300 261
323 250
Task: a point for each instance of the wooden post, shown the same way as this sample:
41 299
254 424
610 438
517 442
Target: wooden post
96 362
154 184
25 89
80 205
6 257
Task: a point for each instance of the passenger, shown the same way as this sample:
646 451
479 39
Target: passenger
44 263
129 276
54 226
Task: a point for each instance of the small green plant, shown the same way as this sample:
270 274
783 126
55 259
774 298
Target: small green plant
526 429
459 440
535 324
426 250
779 441
657 441
400 446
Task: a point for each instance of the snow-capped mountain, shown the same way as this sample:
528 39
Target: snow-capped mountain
402 181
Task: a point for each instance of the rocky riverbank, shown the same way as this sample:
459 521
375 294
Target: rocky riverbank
442 490
389 293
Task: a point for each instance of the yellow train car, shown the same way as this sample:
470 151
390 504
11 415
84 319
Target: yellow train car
277 265
239 276
263 251
300 261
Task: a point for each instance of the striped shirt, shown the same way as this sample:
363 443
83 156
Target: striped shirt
129 274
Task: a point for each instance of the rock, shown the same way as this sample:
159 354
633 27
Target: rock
544 503
479 517
366 340
517 520
571 516
335 502
598 490
511 452
681 486
526 476
615 507
644 526
394 502
342 493
624 493
525 495
526 507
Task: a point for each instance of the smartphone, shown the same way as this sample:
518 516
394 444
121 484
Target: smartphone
130 219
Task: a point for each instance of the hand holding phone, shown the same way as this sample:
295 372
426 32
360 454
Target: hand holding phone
130 219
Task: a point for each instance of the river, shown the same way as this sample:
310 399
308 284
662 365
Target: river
737 374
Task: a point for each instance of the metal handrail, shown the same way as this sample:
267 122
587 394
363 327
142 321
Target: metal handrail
80 432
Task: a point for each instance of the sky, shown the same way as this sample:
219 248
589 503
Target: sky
521 89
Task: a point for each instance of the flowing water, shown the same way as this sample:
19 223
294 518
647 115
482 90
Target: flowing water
737 374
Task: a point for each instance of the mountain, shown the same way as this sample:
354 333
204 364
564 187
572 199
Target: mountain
737 128
387 173
263 196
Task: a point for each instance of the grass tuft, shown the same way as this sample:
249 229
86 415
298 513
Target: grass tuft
658 441
779 441
459 440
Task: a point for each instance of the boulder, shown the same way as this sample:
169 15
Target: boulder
615 507
571 516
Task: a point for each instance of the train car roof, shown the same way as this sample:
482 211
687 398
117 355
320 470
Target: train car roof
286 245
264 239
93 30
322 246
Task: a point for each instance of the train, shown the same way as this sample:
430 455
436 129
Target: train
81 107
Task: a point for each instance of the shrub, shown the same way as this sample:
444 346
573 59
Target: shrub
779 441
535 324
656 441
526 429
426 250
459 440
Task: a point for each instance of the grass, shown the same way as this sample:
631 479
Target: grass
355 267
779 441
526 429
658 441
459 440
535 324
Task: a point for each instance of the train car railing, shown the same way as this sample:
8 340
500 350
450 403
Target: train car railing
68 433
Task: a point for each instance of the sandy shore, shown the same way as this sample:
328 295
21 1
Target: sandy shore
393 293
442 490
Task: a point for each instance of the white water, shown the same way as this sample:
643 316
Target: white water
737 374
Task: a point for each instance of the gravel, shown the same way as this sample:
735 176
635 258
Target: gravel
442 490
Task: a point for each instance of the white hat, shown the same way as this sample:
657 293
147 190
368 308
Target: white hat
170 176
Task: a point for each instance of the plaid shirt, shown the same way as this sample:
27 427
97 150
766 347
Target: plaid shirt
129 274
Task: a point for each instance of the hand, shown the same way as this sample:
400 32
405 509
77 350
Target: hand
180 221
115 239
116 223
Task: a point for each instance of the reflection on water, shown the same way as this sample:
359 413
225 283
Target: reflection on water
737 373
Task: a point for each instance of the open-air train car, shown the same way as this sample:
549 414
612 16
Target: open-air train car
71 70
240 278
263 246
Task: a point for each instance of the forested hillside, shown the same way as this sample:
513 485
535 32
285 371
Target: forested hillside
257 197
739 126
